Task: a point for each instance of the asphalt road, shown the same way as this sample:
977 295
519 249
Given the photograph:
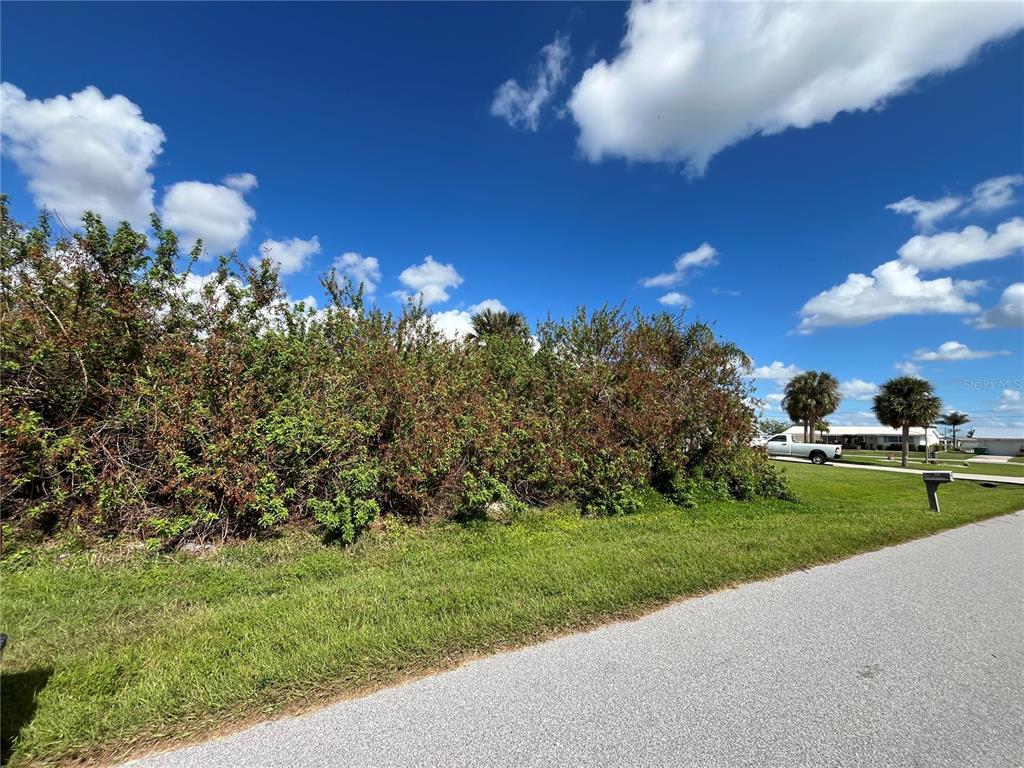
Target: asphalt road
910 656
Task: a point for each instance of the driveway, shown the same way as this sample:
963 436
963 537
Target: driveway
912 655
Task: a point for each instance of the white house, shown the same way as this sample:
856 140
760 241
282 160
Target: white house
998 441
875 438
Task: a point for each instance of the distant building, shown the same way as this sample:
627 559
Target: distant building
998 441
873 438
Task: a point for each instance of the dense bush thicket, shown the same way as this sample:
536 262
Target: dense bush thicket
138 399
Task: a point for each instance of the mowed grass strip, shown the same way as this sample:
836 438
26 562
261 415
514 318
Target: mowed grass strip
942 465
954 456
111 652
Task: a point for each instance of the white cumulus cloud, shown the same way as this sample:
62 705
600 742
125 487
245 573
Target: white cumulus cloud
494 305
675 299
290 256
1008 313
430 280
704 255
858 389
892 289
242 182
83 153
954 350
953 249
456 324
693 78
908 369
521 107
776 372
217 213
361 270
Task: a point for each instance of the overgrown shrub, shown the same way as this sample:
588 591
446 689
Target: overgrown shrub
481 492
353 507
138 398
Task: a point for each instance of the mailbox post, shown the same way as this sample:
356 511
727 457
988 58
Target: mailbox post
932 481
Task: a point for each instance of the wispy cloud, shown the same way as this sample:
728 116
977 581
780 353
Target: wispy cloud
522 106
704 255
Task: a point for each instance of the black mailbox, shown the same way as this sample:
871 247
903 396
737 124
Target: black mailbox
932 481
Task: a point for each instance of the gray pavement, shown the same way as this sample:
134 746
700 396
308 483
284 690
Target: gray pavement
909 656
957 475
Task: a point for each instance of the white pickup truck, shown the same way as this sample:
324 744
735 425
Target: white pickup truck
784 445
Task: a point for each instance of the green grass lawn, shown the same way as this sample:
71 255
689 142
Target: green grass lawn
878 458
116 649
954 456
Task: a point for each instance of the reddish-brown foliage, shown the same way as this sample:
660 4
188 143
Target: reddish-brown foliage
139 400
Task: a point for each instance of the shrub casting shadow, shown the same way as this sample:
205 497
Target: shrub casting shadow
19 692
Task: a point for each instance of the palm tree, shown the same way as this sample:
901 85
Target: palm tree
906 402
810 397
499 322
954 419
825 397
795 403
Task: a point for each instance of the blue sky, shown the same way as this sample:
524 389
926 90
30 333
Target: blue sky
630 137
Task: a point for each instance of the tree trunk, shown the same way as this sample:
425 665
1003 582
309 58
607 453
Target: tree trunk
906 444
954 437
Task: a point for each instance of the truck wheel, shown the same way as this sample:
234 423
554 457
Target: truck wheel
817 457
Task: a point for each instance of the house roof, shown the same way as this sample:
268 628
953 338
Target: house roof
874 429
998 433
